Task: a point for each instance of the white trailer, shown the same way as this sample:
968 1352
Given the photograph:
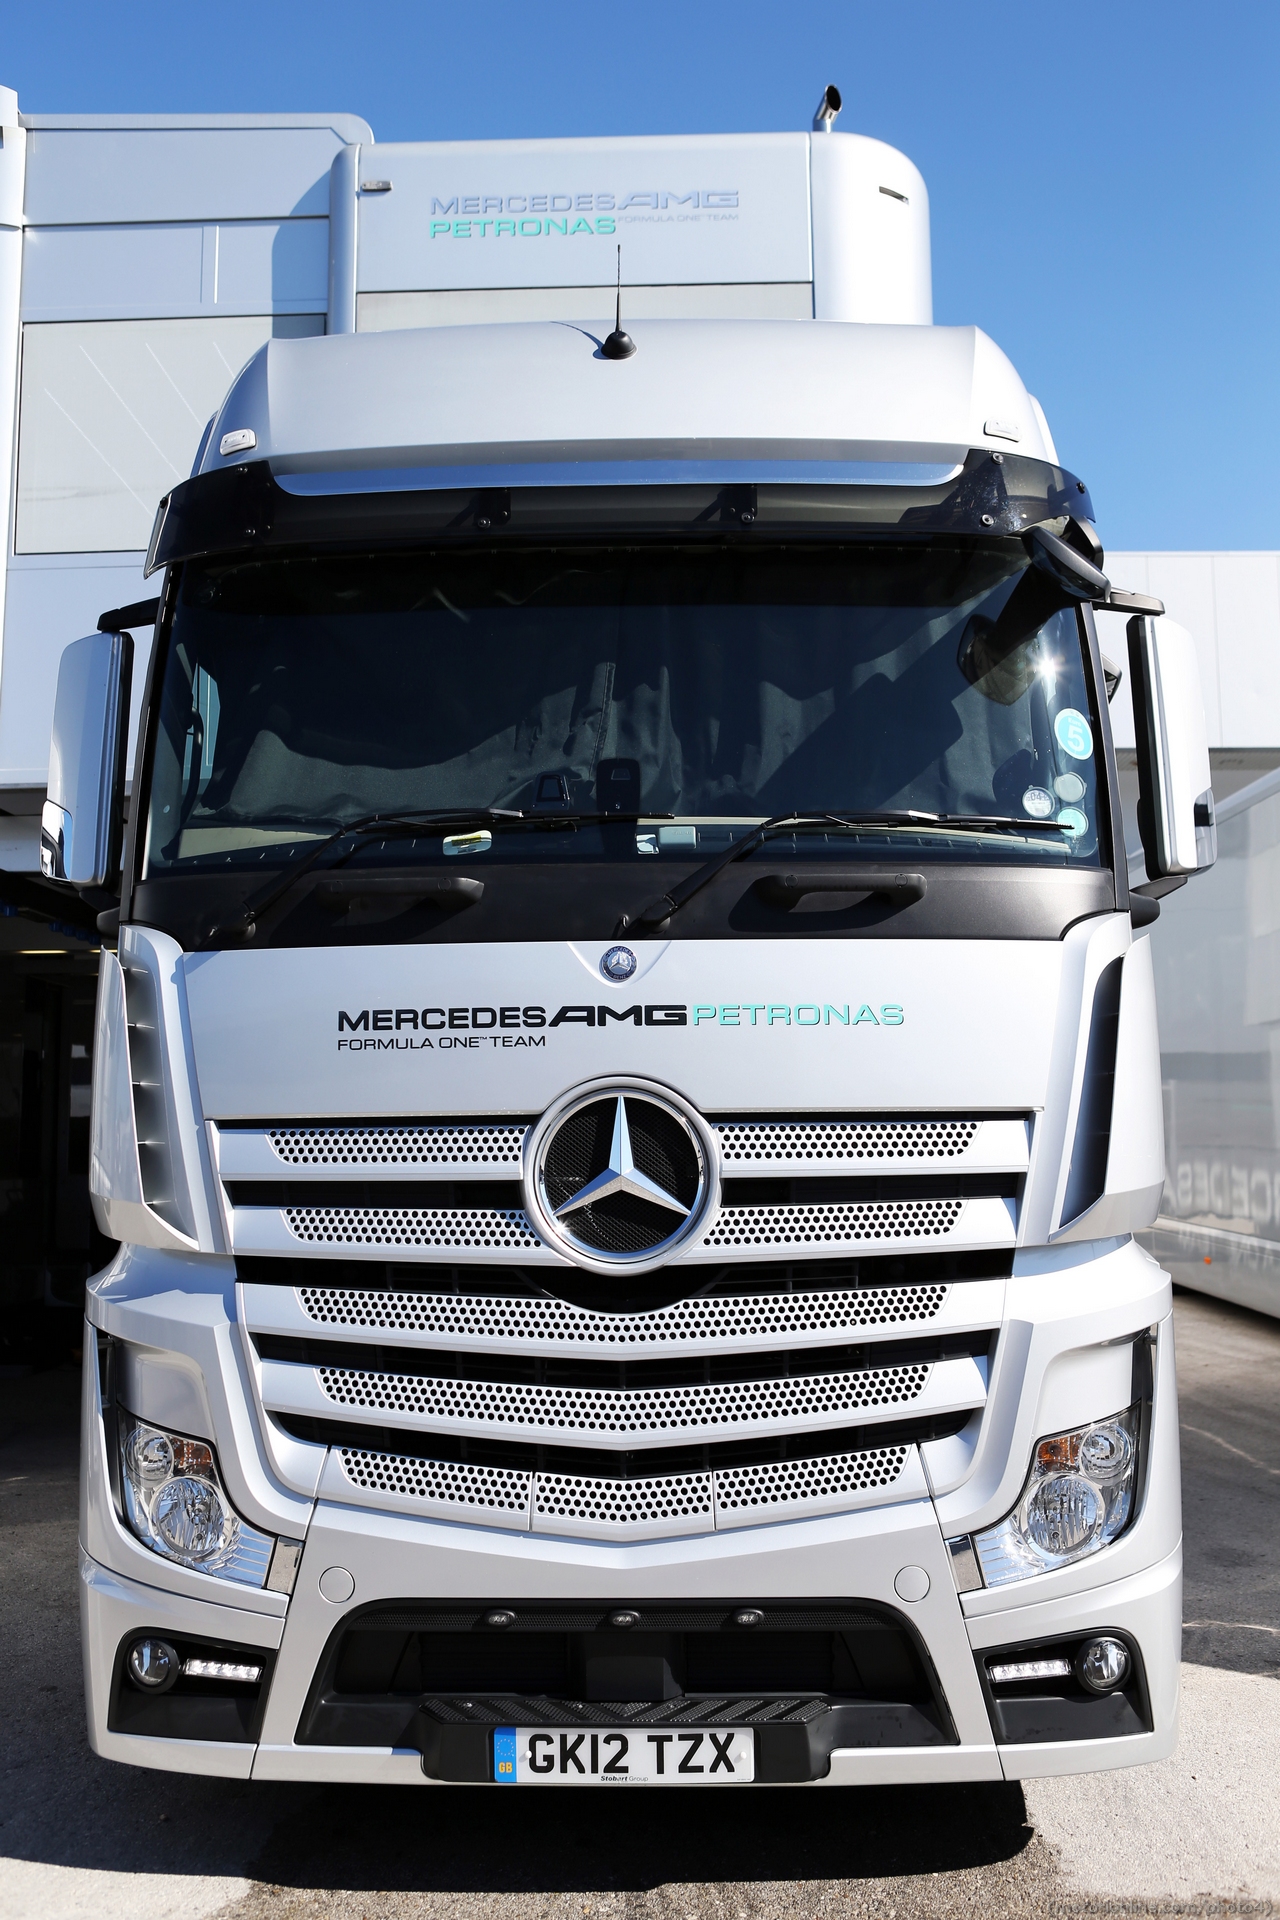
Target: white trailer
629 1076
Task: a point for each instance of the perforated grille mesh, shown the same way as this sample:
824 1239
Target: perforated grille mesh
497 1144
784 1482
444 1482
737 1495
785 1142
500 1406
620 1503
482 1227
687 1322
844 1223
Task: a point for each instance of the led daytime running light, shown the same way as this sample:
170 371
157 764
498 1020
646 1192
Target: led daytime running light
221 1670
1012 1670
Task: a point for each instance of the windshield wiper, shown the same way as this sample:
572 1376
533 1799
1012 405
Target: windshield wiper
980 822
659 911
244 924
662 909
548 818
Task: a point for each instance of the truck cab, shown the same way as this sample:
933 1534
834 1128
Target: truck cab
629 1076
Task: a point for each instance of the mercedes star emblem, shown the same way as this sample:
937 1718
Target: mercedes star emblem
620 1176
618 964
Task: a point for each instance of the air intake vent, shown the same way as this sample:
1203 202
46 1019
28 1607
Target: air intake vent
693 1323
483 1228
484 1144
777 1488
677 1504
477 1492
819 1142
656 1507
837 1224
150 1112
649 1415
1092 1144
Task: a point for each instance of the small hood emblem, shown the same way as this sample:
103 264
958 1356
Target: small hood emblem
619 963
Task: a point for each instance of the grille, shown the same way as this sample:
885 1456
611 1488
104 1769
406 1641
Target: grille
623 1503
541 1410
496 1144
841 1222
668 1503
482 1490
787 1483
479 1227
786 1142
734 1318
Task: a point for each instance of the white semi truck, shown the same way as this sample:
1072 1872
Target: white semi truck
629 1073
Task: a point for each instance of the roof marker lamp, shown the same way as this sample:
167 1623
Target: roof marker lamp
1077 1499
176 1504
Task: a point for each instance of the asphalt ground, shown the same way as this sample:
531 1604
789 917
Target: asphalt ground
1197 1834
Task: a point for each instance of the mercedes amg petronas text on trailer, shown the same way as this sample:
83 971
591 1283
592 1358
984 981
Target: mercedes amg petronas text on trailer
629 1073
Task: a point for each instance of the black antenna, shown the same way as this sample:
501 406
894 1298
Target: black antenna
619 345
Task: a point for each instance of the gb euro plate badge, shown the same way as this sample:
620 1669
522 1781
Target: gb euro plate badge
638 1757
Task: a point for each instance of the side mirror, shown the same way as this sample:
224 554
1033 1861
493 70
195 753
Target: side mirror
82 825
1175 794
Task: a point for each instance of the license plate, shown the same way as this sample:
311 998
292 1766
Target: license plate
638 1756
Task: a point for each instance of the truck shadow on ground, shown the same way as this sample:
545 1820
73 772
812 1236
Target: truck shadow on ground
552 1840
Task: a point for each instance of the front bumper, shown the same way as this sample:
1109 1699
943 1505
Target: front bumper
1050 1371
862 1554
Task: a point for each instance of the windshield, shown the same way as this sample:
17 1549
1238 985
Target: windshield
698 688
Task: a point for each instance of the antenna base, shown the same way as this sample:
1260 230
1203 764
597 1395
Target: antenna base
618 345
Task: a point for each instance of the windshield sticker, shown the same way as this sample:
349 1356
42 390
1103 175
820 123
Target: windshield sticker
1038 803
1074 734
1073 820
417 1029
1069 787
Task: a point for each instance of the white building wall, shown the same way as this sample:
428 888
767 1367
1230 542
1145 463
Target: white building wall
1230 603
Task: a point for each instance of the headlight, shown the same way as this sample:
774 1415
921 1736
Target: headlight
175 1502
1078 1498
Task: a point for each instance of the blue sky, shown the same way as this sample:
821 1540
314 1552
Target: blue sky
1103 180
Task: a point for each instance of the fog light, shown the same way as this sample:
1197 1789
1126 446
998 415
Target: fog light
1102 1665
153 1665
